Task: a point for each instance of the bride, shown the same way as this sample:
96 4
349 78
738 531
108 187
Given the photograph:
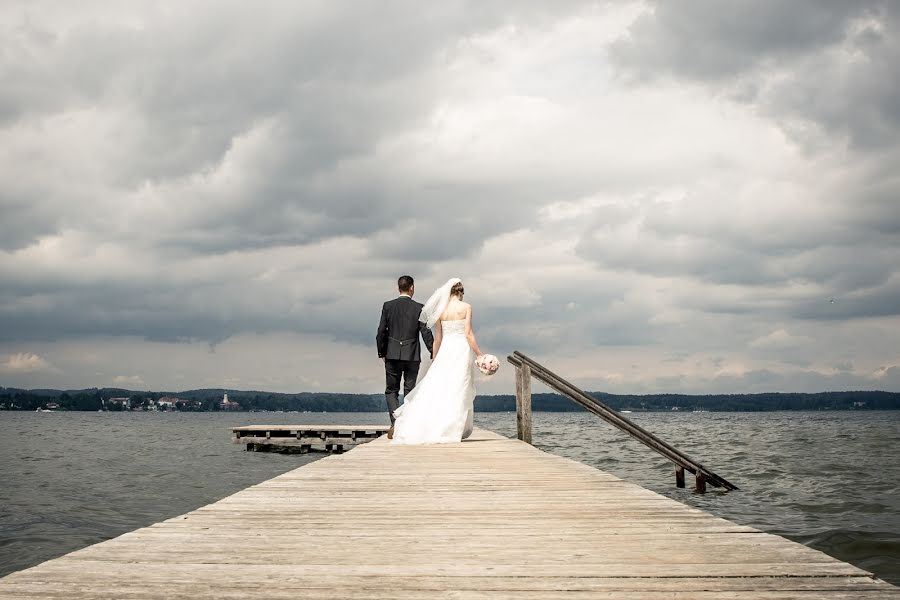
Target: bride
440 408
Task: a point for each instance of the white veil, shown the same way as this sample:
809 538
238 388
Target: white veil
435 305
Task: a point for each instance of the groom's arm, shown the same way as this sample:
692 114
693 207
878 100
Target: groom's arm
381 336
426 335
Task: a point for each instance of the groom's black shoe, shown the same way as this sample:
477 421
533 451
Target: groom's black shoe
390 434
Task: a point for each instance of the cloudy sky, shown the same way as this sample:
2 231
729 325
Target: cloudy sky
686 197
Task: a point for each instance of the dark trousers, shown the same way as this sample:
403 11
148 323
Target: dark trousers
393 370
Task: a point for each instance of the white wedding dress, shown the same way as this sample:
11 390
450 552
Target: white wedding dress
439 409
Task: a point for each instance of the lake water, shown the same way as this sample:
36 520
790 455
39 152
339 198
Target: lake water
827 479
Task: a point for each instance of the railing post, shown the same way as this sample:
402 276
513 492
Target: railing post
701 483
593 405
523 403
679 476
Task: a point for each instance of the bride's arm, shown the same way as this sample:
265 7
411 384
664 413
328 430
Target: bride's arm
438 336
470 335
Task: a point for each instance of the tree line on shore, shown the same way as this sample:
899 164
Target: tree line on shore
211 400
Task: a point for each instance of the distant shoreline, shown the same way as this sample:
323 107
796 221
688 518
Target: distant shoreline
222 400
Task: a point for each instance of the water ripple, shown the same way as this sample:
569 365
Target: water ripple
828 480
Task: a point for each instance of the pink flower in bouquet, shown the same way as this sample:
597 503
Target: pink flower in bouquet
487 364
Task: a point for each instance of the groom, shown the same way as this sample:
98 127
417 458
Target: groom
398 343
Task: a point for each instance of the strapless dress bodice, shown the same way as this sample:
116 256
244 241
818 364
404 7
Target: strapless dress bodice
457 326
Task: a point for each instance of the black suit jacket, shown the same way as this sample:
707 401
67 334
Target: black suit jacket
399 329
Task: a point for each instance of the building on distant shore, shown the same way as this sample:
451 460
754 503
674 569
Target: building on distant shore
123 402
168 403
227 404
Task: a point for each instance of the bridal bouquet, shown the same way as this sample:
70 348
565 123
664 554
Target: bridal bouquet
487 364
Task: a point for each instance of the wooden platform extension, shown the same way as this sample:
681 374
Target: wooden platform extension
304 438
488 518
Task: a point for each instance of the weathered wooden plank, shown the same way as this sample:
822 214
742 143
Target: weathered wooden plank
293 441
304 438
479 520
191 592
276 575
523 403
295 428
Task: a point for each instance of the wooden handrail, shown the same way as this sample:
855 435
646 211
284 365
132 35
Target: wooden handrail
527 367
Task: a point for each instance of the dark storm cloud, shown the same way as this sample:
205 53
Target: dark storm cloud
717 257
705 39
322 86
810 66
232 128
167 312
877 301
856 280
832 63
21 224
208 171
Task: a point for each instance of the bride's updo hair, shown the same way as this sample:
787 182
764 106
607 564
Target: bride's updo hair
457 290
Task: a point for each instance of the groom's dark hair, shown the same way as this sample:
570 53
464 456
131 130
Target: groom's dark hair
405 283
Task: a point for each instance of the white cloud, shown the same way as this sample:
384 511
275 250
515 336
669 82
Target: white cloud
256 185
24 362
778 340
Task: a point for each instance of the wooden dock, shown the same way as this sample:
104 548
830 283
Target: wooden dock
304 438
487 518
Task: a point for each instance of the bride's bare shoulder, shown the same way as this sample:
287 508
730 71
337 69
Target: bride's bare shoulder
455 311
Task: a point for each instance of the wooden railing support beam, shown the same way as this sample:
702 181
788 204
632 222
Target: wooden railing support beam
604 412
679 476
560 385
701 483
523 403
